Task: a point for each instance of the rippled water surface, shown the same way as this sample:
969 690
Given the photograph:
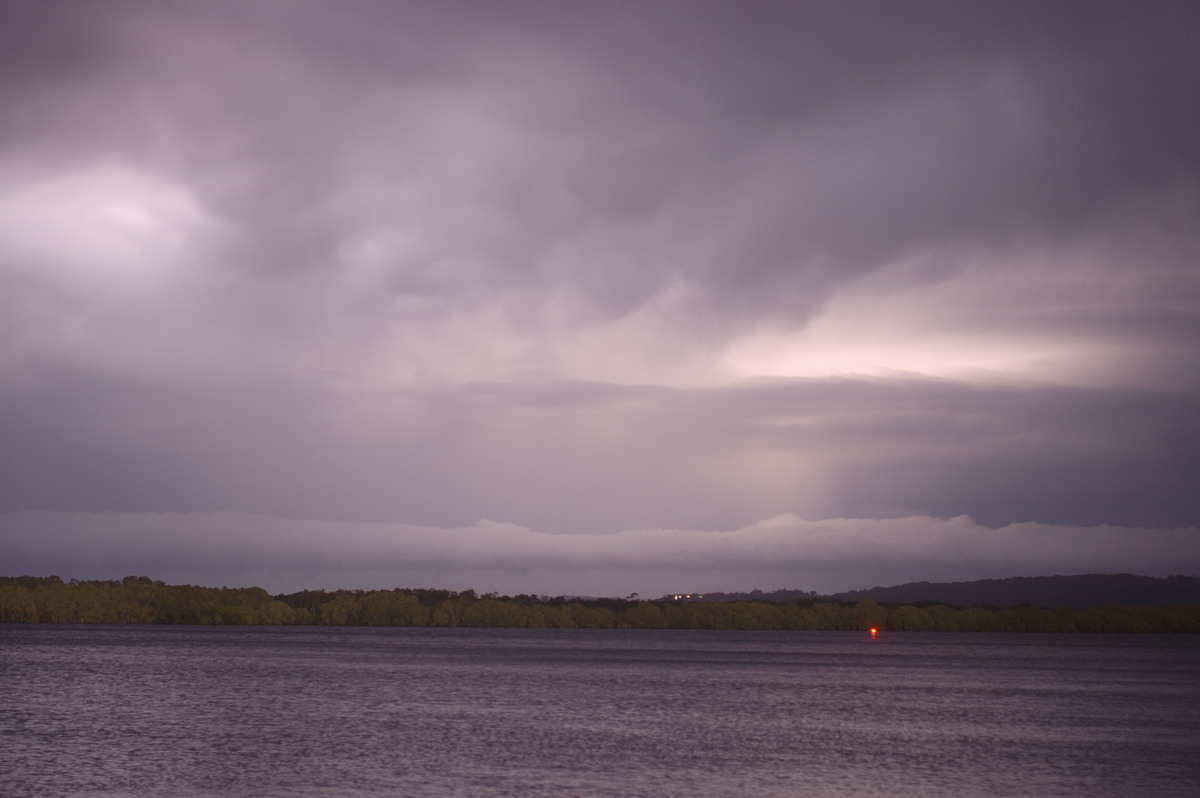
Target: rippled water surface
203 711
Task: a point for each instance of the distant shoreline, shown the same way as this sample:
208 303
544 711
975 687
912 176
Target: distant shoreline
142 600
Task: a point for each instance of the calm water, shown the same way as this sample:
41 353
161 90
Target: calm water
195 711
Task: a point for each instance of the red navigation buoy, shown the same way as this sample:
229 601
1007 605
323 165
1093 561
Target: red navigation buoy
874 632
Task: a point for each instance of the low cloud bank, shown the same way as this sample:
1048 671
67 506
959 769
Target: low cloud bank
827 555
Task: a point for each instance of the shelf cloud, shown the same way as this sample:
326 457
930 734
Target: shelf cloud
288 555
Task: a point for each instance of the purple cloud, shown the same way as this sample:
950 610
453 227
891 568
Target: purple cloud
599 269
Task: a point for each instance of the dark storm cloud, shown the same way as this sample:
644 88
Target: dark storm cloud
592 457
601 267
763 152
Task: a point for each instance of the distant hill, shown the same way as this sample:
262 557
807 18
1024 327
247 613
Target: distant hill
1088 590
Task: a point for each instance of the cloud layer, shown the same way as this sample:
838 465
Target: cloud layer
827 556
597 269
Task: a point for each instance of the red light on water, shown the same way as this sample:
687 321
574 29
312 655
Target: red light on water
874 631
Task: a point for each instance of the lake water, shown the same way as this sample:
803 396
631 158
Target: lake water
299 711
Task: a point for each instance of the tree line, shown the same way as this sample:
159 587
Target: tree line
141 600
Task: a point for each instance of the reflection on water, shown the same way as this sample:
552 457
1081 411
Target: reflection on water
199 711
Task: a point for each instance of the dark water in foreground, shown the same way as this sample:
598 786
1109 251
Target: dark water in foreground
202 711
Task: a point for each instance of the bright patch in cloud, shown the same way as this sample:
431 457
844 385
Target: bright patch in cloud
109 228
1027 314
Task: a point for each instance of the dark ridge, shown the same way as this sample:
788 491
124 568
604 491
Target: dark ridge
1077 592
1086 590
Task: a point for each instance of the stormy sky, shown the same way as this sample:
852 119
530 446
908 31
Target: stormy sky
599 297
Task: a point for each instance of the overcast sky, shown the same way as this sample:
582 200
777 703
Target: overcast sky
599 297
